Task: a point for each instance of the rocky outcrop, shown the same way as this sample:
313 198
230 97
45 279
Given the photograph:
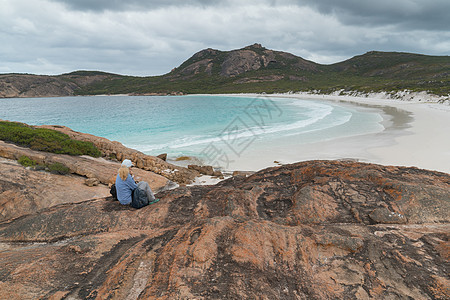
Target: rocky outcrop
117 151
24 191
206 170
312 230
255 57
162 156
241 61
197 67
237 62
101 169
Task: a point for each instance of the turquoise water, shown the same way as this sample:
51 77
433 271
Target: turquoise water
203 126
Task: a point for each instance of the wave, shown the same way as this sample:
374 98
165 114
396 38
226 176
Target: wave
343 120
314 113
178 143
319 113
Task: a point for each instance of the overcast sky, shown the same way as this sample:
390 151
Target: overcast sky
150 37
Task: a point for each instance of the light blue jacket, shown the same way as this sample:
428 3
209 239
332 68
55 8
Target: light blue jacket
124 189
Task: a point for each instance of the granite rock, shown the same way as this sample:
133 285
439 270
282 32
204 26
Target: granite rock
24 191
300 231
162 156
91 181
205 170
103 170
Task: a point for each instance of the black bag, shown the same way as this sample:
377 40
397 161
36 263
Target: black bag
139 198
113 192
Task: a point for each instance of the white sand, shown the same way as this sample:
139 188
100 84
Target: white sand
208 180
428 145
425 144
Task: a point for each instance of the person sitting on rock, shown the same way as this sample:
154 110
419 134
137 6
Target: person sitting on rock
126 188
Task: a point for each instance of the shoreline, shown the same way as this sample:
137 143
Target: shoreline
415 134
421 141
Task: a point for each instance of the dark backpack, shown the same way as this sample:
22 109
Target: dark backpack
113 192
139 198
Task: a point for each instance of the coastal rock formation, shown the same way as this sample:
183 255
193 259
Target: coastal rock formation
162 156
103 170
311 230
117 151
24 191
205 170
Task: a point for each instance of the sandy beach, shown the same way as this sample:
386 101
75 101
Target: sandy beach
416 134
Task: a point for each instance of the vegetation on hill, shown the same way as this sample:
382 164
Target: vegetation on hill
43 139
253 69
283 72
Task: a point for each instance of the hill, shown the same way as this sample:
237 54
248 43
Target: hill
251 69
28 85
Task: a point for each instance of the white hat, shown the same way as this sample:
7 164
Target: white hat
127 163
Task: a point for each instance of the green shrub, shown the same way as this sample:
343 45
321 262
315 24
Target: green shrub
43 139
58 168
26 161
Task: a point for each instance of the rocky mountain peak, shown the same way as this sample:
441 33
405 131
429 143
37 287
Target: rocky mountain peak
204 53
254 46
241 61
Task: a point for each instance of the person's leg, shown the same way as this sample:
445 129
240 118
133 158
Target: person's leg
144 186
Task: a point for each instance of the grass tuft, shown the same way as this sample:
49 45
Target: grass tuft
26 161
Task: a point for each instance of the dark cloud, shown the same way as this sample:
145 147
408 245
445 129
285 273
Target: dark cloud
412 14
429 15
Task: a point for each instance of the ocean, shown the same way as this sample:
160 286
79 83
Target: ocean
220 130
